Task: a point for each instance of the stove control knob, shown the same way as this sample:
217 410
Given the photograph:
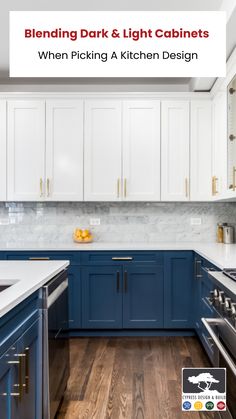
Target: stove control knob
216 297
221 297
216 293
233 310
227 306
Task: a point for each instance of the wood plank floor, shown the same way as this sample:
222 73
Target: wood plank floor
131 378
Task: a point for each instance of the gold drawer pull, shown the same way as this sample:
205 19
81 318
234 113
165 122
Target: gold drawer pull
48 187
41 187
186 187
118 187
39 258
125 187
234 181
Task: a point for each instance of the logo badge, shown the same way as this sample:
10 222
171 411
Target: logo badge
198 405
221 405
209 405
205 387
187 405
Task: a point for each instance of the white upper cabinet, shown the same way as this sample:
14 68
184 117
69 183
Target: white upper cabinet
175 151
201 151
102 150
64 150
26 150
141 150
3 151
219 145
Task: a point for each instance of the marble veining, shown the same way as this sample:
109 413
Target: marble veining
120 222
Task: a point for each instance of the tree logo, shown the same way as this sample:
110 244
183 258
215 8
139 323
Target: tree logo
204 381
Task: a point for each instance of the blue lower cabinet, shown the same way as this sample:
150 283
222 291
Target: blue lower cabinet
74 277
178 290
29 352
102 297
21 376
142 297
9 394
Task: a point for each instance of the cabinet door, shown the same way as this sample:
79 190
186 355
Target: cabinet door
175 151
201 151
26 150
102 297
143 297
178 290
74 297
102 151
64 150
30 354
3 151
9 391
141 150
219 145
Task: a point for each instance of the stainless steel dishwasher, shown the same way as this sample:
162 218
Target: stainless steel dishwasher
56 365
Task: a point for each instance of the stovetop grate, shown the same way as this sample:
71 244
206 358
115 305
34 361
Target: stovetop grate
231 273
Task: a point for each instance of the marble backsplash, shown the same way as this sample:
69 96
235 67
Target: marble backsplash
120 222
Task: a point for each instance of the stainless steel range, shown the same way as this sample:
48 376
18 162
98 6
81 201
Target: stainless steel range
222 330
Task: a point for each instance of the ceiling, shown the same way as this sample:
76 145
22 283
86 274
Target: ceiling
183 83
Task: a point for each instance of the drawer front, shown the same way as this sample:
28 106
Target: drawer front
114 258
73 257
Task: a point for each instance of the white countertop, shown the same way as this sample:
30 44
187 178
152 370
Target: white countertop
221 255
27 276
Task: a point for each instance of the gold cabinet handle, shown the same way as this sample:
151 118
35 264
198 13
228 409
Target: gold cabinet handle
213 185
41 187
216 180
118 188
39 258
234 181
186 187
125 187
214 189
48 187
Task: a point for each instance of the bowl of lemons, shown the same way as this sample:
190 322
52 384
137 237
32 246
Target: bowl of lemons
82 236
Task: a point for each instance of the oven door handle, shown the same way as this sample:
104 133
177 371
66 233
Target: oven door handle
207 323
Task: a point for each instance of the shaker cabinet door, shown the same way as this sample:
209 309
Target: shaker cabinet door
102 297
9 380
64 150
178 290
26 150
102 150
141 150
219 147
175 151
142 297
201 154
30 355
